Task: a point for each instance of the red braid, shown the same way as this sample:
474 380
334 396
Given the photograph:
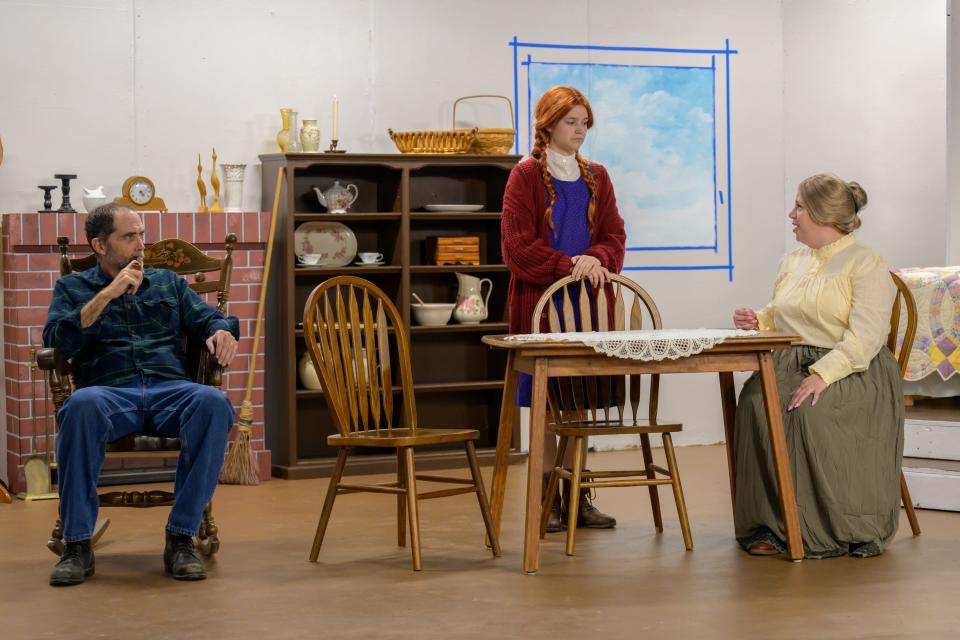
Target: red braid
592 184
539 152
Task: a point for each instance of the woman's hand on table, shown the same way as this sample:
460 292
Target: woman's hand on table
588 267
811 385
745 319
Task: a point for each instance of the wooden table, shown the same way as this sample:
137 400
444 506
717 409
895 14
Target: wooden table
544 360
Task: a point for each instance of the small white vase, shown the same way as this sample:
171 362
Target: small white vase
310 136
233 186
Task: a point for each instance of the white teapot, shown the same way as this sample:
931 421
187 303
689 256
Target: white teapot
336 198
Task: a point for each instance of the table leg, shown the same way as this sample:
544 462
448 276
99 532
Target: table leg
538 415
781 460
508 407
728 398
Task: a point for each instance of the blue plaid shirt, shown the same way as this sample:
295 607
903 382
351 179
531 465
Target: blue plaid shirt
140 333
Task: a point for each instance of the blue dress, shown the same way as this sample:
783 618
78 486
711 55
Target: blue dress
571 235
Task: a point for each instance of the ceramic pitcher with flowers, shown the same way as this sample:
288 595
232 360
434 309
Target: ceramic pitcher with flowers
471 303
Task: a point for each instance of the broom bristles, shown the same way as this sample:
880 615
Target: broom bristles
240 465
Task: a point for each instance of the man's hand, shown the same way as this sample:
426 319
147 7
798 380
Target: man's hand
745 319
127 281
223 346
811 385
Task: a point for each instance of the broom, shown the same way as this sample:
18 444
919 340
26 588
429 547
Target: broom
240 466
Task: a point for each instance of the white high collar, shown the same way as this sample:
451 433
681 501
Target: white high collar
561 167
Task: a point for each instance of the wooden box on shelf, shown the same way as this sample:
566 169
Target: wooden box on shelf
458 380
453 249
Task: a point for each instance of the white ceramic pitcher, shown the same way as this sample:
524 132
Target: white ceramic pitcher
471 303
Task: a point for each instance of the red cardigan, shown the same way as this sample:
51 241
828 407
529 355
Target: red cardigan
534 264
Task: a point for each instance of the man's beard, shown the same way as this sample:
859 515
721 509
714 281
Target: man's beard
118 262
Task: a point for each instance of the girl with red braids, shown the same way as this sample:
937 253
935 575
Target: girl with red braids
560 219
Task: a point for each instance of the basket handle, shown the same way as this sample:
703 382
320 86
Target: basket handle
482 95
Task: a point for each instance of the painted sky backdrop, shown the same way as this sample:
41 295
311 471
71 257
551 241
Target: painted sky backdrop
654 132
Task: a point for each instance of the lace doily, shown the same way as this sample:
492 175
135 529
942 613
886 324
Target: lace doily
642 345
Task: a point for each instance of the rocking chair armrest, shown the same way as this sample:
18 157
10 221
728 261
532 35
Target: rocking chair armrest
49 359
209 371
59 371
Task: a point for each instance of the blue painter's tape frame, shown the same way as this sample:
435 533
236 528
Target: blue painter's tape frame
516 44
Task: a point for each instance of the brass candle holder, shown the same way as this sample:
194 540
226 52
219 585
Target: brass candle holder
333 147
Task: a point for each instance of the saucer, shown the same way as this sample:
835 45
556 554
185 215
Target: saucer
369 264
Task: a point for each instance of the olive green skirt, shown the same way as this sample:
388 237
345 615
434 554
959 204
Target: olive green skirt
845 454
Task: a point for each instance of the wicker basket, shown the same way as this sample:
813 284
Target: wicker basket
489 141
433 141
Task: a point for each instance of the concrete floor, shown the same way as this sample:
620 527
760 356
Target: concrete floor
623 583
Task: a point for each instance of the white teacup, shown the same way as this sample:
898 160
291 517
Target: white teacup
309 258
370 257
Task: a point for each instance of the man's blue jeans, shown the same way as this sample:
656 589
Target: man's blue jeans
201 416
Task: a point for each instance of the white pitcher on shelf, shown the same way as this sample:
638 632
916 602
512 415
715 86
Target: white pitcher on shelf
471 303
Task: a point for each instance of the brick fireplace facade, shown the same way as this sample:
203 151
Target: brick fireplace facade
30 268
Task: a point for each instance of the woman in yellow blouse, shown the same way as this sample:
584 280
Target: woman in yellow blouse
840 389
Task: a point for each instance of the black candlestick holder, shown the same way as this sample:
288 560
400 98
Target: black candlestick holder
65 179
47 198
333 147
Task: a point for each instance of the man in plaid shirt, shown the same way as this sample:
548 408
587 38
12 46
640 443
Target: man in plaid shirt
122 326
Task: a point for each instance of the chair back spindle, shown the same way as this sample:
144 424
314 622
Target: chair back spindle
576 306
347 325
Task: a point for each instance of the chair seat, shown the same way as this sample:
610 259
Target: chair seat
143 442
403 437
590 428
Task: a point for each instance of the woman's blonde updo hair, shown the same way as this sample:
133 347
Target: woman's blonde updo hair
831 200
553 105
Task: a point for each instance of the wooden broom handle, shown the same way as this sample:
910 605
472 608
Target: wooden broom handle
263 287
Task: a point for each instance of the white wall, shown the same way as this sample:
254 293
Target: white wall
152 83
865 97
953 138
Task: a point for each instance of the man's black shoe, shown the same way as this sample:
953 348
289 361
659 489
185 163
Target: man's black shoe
75 565
180 558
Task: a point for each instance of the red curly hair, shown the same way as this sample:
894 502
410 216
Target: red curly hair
553 105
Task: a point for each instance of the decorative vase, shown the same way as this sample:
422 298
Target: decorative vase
310 136
471 304
233 186
293 141
308 373
284 135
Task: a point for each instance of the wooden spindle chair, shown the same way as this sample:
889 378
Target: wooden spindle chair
903 359
582 406
348 323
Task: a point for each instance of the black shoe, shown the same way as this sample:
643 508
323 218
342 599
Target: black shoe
180 558
587 514
75 565
555 521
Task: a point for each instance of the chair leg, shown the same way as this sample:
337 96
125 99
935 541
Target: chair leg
413 511
551 491
55 543
482 497
651 474
328 502
209 538
401 501
573 501
908 505
677 491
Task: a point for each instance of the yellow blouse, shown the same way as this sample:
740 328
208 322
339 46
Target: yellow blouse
837 297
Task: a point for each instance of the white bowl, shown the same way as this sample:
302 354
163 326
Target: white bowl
432 314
